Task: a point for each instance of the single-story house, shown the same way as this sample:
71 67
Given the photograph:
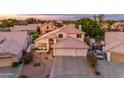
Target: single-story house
114 46
64 41
12 45
21 28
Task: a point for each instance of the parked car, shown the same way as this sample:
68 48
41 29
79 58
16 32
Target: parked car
99 54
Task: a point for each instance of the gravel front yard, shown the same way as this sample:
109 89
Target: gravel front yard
40 71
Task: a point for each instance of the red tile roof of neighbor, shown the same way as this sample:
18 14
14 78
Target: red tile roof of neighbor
70 42
24 27
114 42
69 29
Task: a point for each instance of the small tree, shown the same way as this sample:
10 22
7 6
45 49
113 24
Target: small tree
15 64
27 58
87 40
92 61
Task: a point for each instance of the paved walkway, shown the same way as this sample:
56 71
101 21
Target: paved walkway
40 71
71 67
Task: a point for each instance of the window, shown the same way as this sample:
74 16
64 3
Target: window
78 35
47 27
60 35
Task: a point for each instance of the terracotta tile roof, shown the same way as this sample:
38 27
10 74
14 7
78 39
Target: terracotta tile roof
69 29
24 27
70 42
118 49
114 41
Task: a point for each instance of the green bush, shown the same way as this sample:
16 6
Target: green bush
27 58
15 64
23 76
91 58
87 40
36 64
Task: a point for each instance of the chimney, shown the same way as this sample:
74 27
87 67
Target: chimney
80 27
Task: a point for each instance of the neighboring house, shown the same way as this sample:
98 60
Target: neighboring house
114 46
47 27
64 41
12 45
28 27
118 26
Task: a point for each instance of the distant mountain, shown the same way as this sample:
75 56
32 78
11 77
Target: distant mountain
62 16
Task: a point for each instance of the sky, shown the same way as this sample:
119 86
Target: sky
12 8
61 6
61 16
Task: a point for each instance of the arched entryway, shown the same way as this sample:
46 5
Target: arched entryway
51 42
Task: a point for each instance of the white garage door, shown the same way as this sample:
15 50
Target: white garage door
69 52
81 52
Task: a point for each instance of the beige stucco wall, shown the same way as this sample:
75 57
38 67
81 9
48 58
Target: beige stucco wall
64 35
117 57
42 41
69 52
7 61
75 36
71 35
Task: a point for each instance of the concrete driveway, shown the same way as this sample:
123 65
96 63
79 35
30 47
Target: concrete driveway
111 69
71 67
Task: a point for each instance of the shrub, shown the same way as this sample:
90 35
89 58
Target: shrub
91 58
47 76
15 64
36 64
23 76
27 58
98 73
87 40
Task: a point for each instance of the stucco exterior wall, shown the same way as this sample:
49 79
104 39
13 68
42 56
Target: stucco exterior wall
117 57
75 36
4 62
37 43
64 35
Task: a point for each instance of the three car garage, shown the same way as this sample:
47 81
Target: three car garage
70 47
69 52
